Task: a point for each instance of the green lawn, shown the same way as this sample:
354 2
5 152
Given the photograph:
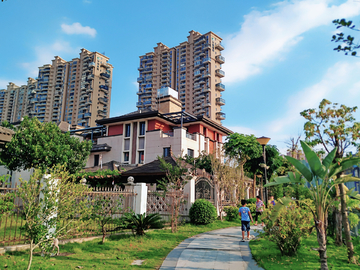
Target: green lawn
269 257
118 252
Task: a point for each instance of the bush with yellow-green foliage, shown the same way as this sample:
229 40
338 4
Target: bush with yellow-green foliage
293 223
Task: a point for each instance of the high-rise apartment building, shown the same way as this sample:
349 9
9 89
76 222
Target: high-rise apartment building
193 68
76 91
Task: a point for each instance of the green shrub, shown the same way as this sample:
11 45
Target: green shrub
251 200
232 213
202 212
139 223
287 230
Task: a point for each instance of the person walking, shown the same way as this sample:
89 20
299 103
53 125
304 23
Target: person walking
259 210
245 215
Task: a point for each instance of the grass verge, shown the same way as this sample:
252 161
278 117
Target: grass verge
269 257
118 252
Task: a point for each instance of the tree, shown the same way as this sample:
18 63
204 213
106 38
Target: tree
348 46
43 145
293 145
321 177
104 208
53 205
6 199
242 148
203 161
334 127
173 185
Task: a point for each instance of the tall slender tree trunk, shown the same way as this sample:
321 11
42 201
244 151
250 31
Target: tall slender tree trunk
345 221
31 254
321 238
338 221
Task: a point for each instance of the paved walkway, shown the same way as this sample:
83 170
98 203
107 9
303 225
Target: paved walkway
219 249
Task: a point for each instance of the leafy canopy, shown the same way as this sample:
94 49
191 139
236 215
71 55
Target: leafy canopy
243 147
43 145
331 126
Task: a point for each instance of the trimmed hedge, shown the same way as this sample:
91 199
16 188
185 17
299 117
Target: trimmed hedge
202 212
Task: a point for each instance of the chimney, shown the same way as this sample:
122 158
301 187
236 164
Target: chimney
168 101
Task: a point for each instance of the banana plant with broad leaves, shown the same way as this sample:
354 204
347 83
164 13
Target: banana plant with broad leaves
321 179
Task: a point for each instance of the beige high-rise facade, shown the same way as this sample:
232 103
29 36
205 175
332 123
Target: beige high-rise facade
76 91
193 68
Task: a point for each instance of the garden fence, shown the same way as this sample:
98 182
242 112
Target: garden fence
10 233
157 203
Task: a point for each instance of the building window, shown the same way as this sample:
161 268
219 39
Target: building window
142 128
127 144
166 152
127 130
141 157
141 143
126 157
96 160
190 152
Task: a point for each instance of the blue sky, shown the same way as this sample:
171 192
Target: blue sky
279 54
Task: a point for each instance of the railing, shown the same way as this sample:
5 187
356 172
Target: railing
191 136
167 134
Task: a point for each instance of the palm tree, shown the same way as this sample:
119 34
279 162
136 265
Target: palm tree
321 177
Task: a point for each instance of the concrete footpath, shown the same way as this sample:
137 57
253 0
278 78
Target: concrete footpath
219 249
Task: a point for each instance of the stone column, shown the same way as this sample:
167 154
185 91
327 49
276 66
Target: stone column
189 189
140 200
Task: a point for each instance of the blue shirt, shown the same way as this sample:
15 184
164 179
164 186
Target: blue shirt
244 211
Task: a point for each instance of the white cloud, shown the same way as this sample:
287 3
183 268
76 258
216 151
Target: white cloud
44 55
77 28
266 36
87 1
242 130
340 84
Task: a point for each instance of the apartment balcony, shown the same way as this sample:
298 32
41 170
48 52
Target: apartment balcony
206 46
206 60
197 86
88 102
197 107
220 59
206 90
202 67
207 104
200 40
87 115
148 86
147 70
202 82
220 87
219 46
103 100
82 101
139 104
146 94
91 76
147 102
105 65
139 93
92 64
140 79
220 101
104 87
105 75
219 73
220 116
